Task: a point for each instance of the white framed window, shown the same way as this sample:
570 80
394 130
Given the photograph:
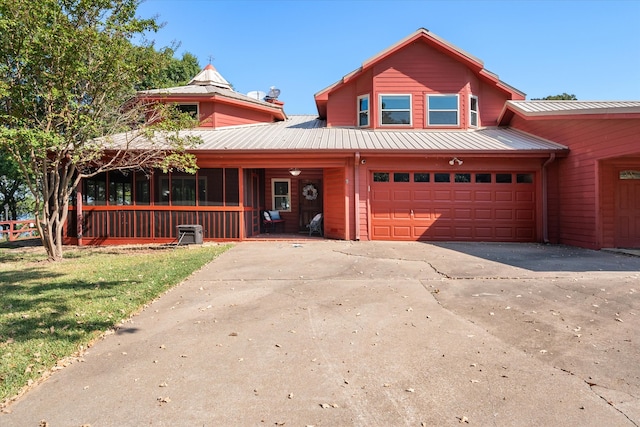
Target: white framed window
443 110
281 194
473 111
189 107
395 110
363 110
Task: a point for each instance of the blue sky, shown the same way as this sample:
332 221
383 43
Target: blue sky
588 48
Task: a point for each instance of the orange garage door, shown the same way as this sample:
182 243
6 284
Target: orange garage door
469 206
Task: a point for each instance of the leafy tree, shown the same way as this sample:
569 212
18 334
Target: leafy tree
67 85
170 71
14 194
561 97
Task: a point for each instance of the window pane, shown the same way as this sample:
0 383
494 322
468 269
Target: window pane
183 190
483 177
120 188
401 177
400 102
474 104
231 187
161 188
142 189
188 108
463 177
363 104
503 178
95 190
381 177
396 117
420 177
443 117
441 177
443 102
364 119
630 174
524 178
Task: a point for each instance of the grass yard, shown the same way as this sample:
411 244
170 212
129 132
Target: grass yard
49 311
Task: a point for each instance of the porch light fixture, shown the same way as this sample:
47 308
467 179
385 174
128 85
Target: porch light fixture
455 160
295 171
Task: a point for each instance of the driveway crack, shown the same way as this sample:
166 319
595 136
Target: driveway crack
594 391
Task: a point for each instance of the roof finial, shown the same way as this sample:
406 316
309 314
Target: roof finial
211 58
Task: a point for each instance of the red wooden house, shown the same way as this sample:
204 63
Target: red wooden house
419 143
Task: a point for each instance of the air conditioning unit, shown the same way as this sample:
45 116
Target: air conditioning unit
189 234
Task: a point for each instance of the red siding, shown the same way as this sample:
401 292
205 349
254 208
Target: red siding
418 69
230 115
583 202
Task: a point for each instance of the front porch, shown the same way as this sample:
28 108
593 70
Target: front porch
116 208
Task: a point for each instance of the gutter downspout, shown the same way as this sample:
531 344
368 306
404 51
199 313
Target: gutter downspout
356 191
545 214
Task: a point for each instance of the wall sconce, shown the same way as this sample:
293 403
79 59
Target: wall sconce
455 160
295 171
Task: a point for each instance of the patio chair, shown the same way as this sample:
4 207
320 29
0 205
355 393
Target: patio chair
270 219
315 226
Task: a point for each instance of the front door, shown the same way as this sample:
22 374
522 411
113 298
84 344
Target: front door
310 201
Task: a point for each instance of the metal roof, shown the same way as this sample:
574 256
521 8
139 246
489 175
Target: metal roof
575 107
308 133
209 76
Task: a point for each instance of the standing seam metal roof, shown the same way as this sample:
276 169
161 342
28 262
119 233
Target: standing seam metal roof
310 133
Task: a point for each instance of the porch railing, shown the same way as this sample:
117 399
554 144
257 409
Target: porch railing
153 224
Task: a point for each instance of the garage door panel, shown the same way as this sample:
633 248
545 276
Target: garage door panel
442 195
422 214
402 232
401 196
525 196
463 232
463 195
421 195
380 195
483 213
402 214
504 196
483 196
504 214
381 231
462 213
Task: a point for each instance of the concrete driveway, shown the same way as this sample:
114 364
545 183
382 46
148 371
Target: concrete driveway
328 333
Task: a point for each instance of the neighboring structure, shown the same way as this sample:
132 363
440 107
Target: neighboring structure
419 143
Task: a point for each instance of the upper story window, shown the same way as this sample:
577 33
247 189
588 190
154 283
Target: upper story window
188 108
363 111
473 111
395 110
443 110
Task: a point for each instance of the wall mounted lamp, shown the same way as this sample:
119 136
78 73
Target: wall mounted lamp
455 160
295 171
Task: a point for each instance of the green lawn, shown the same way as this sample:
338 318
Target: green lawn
49 311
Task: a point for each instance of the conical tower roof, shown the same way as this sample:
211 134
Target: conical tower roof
209 76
